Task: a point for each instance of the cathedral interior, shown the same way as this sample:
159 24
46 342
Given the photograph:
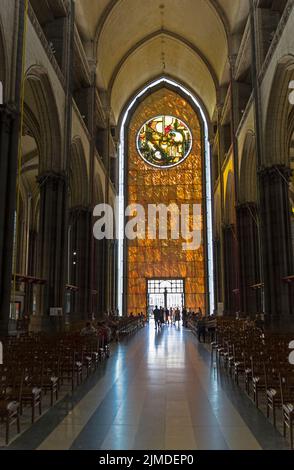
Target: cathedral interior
175 334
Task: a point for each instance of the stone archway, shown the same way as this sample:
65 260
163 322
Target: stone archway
3 68
274 198
44 180
40 98
230 248
248 230
100 274
79 234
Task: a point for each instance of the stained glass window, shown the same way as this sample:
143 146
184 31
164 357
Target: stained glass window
164 141
164 259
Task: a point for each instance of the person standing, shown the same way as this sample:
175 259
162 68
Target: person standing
201 329
161 316
167 316
184 317
171 315
177 316
156 316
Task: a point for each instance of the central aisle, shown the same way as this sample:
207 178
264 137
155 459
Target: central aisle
157 391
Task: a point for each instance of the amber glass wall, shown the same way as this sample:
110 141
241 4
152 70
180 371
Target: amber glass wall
182 184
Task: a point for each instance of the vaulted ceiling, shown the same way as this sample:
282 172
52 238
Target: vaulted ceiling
136 41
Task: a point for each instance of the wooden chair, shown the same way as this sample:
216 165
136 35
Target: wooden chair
51 377
287 396
273 393
10 400
32 390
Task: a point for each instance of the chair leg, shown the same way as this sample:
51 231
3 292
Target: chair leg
7 430
18 422
284 427
274 415
291 433
33 411
256 398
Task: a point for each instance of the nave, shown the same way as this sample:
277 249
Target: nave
158 390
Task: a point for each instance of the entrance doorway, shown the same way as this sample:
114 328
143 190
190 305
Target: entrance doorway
167 293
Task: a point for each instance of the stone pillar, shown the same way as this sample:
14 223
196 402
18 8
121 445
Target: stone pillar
52 246
217 272
247 219
32 270
80 239
276 233
231 300
98 289
9 125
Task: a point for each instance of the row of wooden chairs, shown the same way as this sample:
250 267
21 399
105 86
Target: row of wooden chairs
33 368
129 326
260 359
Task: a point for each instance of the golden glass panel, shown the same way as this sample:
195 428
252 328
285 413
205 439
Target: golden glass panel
146 185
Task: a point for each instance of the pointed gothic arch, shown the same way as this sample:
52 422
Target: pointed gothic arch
78 175
40 100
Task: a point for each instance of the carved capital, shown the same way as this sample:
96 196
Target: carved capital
79 210
8 114
276 172
51 177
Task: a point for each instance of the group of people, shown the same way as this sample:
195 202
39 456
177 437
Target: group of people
171 316
105 328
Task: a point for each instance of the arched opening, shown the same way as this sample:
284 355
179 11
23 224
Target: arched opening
275 180
40 206
248 176
78 234
3 68
248 220
204 152
99 262
230 246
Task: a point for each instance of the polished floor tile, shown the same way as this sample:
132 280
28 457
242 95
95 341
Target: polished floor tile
157 391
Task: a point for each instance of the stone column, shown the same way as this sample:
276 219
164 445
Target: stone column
9 125
80 239
276 233
247 219
98 288
52 246
231 301
217 271
29 288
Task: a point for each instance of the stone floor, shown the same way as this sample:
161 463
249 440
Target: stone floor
158 390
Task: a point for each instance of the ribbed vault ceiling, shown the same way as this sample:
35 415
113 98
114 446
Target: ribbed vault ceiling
139 40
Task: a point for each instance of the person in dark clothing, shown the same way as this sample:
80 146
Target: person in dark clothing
185 317
177 316
161 316
201 330
167 316
156 316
